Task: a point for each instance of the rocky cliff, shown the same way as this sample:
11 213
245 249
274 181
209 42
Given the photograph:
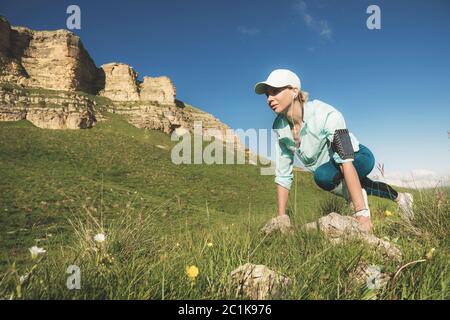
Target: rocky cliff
118 82
47 108
49 78
46 59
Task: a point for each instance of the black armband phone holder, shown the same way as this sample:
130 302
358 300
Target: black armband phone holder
342 144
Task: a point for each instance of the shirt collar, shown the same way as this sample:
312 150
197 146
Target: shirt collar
307 112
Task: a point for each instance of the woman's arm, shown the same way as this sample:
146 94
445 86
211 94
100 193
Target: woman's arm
354 186
282 194
284 164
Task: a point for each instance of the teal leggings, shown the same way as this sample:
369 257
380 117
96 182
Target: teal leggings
328 175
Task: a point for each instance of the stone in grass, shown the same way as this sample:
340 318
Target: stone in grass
339 228
258 282
279 223
369 276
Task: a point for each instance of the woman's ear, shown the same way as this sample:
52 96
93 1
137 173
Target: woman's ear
304 96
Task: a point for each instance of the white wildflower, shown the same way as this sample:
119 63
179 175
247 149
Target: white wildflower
24 278
35 251
99 237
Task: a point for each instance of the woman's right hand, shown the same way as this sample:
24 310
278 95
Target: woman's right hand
365 223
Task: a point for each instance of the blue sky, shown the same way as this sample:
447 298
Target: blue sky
392 85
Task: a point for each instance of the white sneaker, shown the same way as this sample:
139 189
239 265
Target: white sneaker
405 203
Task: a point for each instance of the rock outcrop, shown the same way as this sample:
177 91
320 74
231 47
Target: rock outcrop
11 69
278 223
339 229
48 69
58 60
258 282
159 89
119 83
46 59
369 276
65 110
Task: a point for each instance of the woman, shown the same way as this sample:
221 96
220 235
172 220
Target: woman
316 133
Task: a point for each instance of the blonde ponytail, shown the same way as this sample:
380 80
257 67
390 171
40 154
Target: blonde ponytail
302 97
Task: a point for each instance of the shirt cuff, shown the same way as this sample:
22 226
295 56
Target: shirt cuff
284 182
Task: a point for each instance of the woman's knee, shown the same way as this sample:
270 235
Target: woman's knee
324 180
364 161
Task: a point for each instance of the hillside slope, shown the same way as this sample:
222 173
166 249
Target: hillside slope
50 178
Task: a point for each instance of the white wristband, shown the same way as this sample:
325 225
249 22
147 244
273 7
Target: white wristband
363 213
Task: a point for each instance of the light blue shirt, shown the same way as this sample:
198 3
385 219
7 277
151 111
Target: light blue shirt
320 120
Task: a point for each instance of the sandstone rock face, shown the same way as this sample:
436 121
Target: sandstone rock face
10 68
180 119
5 32
258 282
62 111
46 59
119 82
339 228
57 60
168 117
56 119
159 89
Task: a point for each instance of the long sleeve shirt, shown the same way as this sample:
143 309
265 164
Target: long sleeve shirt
320 120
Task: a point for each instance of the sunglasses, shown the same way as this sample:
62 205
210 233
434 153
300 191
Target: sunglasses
274 91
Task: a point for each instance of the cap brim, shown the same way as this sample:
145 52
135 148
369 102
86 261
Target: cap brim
261 87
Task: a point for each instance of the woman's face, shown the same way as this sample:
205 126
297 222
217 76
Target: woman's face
279 99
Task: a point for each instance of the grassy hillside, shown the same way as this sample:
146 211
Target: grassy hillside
59 188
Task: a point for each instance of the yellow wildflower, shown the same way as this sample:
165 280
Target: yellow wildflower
209 244
430 253
387 213
192 272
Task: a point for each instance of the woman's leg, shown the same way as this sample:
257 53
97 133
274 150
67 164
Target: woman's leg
364 163
379 189
329 177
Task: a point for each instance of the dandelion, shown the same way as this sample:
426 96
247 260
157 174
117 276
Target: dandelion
387 213
35 251
99 237
192 272
430 253
209 244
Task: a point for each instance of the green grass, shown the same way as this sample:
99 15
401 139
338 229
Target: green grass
59 188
